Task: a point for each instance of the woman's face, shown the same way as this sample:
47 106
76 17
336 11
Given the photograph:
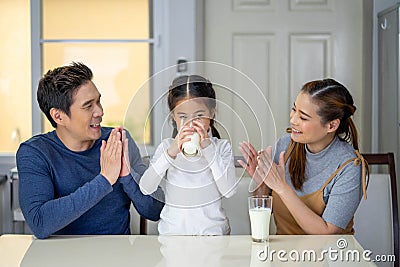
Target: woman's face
306 125
187 110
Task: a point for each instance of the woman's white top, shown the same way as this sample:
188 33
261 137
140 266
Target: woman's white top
193 188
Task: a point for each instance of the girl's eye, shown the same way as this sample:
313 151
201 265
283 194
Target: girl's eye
199 115
182 117
293 109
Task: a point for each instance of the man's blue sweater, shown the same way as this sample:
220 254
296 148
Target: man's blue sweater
62 192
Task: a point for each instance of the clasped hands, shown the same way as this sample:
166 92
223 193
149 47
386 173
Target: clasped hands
261 166
114 156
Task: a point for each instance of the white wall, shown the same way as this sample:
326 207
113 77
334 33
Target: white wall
379 5
177 34
182 30
185 38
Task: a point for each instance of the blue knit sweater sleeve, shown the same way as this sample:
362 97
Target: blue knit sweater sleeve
62 192
148 206
43 211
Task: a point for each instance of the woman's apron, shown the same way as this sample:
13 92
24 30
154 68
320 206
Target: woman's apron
287 225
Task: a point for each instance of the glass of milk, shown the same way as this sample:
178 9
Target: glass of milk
191 148
260 208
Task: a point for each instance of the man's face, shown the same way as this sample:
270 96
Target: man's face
82 127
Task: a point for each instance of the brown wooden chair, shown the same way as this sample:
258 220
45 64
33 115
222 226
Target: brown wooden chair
376 221
147 227
143 221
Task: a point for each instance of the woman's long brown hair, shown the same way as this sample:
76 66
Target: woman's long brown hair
334 101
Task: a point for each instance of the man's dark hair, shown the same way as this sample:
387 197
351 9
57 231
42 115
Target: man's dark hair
58 86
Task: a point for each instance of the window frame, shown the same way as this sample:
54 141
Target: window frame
156 61
166 18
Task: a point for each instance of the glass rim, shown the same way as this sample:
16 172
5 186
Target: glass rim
260 197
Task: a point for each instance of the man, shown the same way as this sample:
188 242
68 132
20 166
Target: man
80 178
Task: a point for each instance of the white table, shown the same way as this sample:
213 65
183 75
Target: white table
209 251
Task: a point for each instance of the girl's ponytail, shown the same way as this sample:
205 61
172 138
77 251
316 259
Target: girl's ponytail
214 130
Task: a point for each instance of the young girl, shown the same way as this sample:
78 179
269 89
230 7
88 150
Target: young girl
194 185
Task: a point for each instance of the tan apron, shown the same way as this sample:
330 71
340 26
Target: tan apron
287 225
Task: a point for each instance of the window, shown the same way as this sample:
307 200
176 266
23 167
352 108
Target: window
15 74
114 38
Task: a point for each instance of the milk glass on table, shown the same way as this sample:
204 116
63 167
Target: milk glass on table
260 214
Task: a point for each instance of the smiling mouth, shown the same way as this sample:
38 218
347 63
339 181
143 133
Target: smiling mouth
95 125
295 131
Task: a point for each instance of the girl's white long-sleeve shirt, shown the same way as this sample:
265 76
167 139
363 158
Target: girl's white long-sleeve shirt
193 188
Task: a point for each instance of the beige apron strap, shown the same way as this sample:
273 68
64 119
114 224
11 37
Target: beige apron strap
336 172
359 160
364 171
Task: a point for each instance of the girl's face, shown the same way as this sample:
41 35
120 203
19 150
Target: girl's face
307 127
187 110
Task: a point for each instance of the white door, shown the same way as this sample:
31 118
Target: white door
281 44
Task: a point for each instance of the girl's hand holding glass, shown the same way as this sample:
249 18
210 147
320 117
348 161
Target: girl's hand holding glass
200 128
176 146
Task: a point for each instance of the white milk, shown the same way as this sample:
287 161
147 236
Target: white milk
191 148
259 220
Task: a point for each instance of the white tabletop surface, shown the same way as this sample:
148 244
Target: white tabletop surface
209 251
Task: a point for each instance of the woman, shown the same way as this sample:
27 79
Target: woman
315 177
